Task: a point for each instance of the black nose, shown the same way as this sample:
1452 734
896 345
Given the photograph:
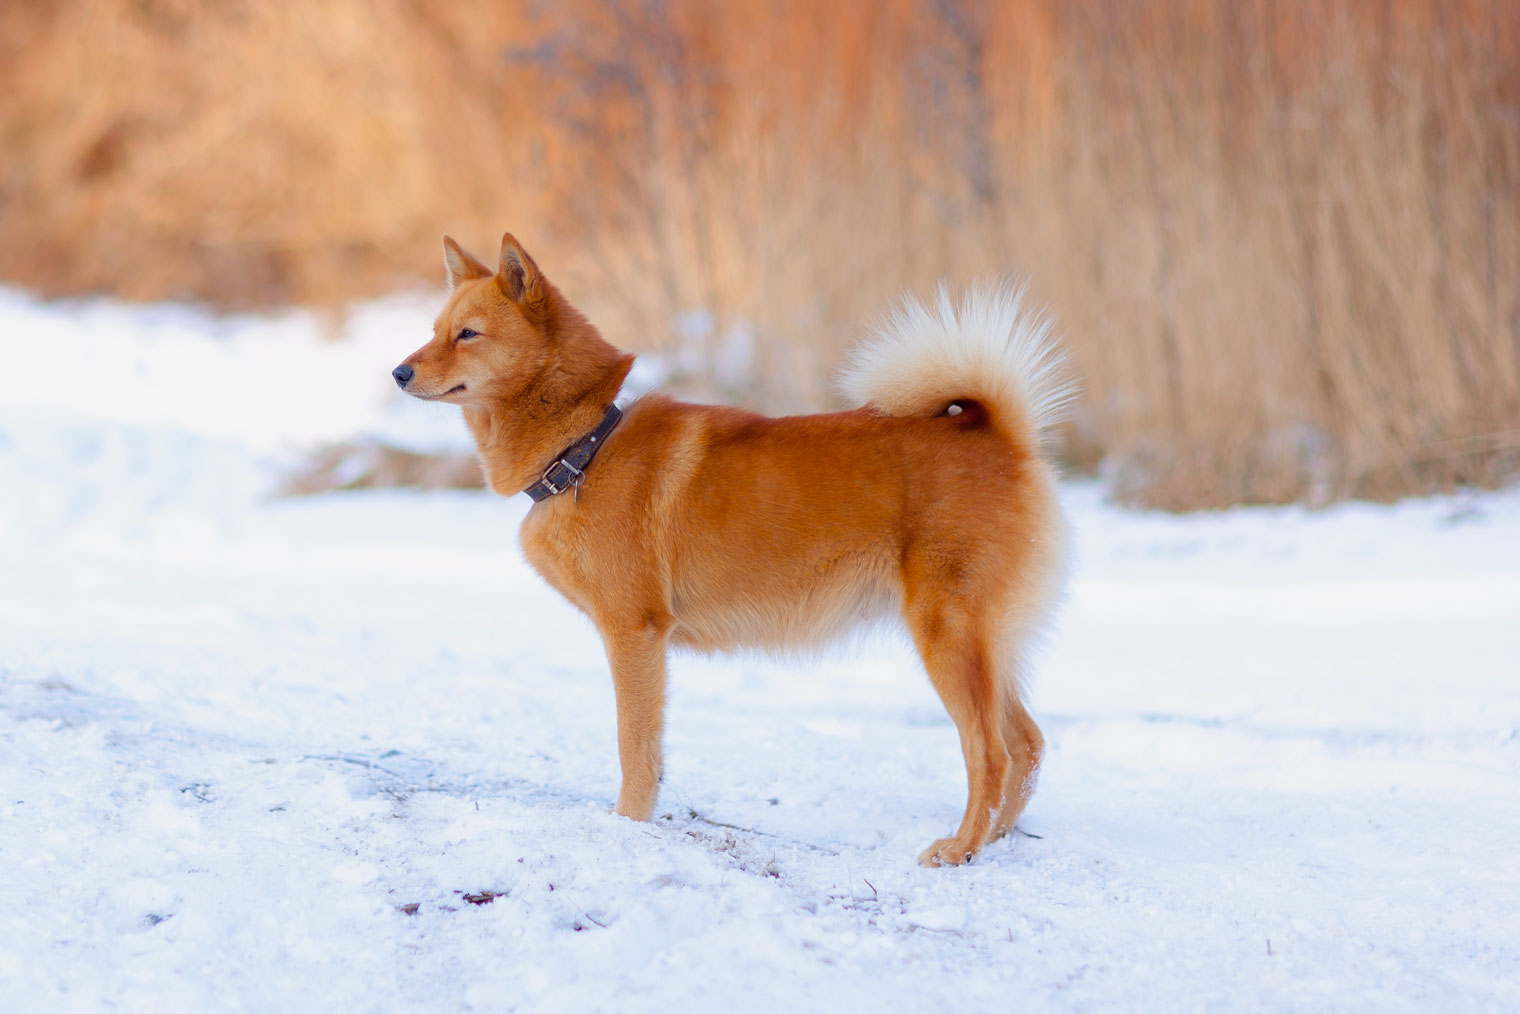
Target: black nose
403 375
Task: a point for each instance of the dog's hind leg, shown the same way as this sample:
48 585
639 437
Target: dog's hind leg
1026 748
952 639
636 653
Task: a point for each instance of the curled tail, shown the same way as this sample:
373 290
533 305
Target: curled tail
990 348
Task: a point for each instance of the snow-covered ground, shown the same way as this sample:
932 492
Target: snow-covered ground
257 753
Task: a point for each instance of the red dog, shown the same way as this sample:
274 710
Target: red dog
713 528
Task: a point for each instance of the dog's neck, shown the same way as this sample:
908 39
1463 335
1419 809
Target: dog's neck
521 435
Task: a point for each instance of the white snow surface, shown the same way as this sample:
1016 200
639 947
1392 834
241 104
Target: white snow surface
242 736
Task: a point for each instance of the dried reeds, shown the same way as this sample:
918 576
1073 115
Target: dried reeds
1282 238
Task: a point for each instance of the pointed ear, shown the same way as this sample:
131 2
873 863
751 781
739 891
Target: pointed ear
518 276
459 266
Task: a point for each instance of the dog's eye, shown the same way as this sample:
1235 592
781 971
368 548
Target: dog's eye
466 334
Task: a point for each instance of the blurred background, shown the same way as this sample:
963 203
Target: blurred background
1282 239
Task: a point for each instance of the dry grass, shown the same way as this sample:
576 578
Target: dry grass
251 153
370 465
1283 238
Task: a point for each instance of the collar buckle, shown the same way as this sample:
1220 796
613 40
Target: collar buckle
572 481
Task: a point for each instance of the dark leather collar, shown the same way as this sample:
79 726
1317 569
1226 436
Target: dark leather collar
569 469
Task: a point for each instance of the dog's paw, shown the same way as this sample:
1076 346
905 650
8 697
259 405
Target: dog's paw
634 809
947 852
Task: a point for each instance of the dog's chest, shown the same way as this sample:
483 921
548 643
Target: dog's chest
559 546
545 547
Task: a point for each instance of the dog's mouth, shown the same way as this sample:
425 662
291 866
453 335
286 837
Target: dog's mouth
456 389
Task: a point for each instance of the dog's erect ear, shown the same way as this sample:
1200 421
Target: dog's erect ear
519 277
459 266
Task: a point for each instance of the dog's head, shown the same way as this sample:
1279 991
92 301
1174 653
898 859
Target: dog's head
493 335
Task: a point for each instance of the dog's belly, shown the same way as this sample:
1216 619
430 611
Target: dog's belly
799 606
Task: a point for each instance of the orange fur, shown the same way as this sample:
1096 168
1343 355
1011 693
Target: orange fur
714 529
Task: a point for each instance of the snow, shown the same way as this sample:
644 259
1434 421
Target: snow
240 736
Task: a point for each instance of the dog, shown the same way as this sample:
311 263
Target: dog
714 529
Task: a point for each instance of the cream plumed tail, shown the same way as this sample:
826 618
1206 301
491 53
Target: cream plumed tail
989 347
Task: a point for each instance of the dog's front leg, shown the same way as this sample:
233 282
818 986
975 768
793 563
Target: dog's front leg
636 653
